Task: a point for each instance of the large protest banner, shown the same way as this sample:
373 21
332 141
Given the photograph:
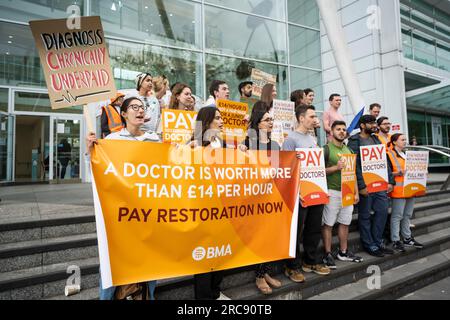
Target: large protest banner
348 180
233 116
374 167
415 183
260 79
75 61
284 119
184 211
177 125
313 181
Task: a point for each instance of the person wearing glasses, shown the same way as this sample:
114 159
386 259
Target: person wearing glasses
384 127
132 113
144 91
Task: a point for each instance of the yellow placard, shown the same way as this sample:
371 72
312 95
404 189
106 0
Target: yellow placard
348 180
177 125
233 116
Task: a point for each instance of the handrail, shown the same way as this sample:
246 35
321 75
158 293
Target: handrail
433 149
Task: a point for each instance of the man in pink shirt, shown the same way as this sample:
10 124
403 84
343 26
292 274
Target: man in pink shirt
332 114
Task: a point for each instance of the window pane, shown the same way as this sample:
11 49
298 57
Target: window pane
19 60
302 79
39 102
234 71
242 35
3 99
268 8
26 10
172 22
129 59
304 12
304 46
423 43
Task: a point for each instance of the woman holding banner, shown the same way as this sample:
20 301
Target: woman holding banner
132 113
207 285
181 98
402 207
258 138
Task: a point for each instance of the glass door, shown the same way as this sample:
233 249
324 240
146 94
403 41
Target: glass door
66 149
6 147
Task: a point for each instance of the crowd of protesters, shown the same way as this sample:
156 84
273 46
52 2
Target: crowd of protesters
137 116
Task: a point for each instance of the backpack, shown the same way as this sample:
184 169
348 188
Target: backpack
134 291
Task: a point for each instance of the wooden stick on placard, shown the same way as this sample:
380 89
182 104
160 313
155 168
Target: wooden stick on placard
88 119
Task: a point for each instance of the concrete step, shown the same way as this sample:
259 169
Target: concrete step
433 195
51 227
37 253
239 283
431 207
396 282
439 290
435 185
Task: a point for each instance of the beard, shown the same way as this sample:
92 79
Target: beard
339 139
248 94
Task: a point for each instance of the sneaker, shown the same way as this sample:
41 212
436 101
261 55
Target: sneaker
294 275
329 261
386 250
348 256
223 297
376 253
316 268
412 243
398 246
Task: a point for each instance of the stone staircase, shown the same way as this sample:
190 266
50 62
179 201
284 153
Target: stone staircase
35 255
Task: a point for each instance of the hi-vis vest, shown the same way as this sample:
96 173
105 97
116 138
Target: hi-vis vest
398 163
383 140
114 120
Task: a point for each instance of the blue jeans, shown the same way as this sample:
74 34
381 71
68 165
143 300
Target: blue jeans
402 210
108 293
371 227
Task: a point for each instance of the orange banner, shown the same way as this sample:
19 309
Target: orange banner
177 125
348 180
233 114
314 189
184 211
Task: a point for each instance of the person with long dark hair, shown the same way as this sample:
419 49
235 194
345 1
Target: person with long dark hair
181 98
268 93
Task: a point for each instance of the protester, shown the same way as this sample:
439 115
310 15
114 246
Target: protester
132 112
246 94
402 207
218 89
370 226
309 96
162 92
110 118
144 86
384 127
298 97
64 156
310 218
333 211
181 98
332 114
207 285
268 93
374 110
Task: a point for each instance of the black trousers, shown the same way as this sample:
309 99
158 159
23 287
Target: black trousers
309 232
207 285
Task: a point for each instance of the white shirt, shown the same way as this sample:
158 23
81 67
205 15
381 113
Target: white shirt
153 110
124 134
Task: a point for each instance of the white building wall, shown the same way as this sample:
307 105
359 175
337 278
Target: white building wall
373 32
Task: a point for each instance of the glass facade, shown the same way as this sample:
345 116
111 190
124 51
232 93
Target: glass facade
187 41
425 33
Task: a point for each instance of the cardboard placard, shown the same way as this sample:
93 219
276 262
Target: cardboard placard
260 79
374 167
233 114
313 180
415 183
177 125
284 118
348 180
75 62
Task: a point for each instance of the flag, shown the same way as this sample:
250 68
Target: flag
354 124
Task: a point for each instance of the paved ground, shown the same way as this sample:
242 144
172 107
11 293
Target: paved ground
45 201
437 291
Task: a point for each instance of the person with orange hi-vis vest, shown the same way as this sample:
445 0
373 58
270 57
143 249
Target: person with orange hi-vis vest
110 119
402 207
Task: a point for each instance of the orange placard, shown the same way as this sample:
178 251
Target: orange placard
177 125
75 61
233 114
374 167
348 180
313 181
183 211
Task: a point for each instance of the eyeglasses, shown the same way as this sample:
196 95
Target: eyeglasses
217 118
136 107
267 120
386 124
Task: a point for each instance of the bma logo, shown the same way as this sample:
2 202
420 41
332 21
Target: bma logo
200 253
